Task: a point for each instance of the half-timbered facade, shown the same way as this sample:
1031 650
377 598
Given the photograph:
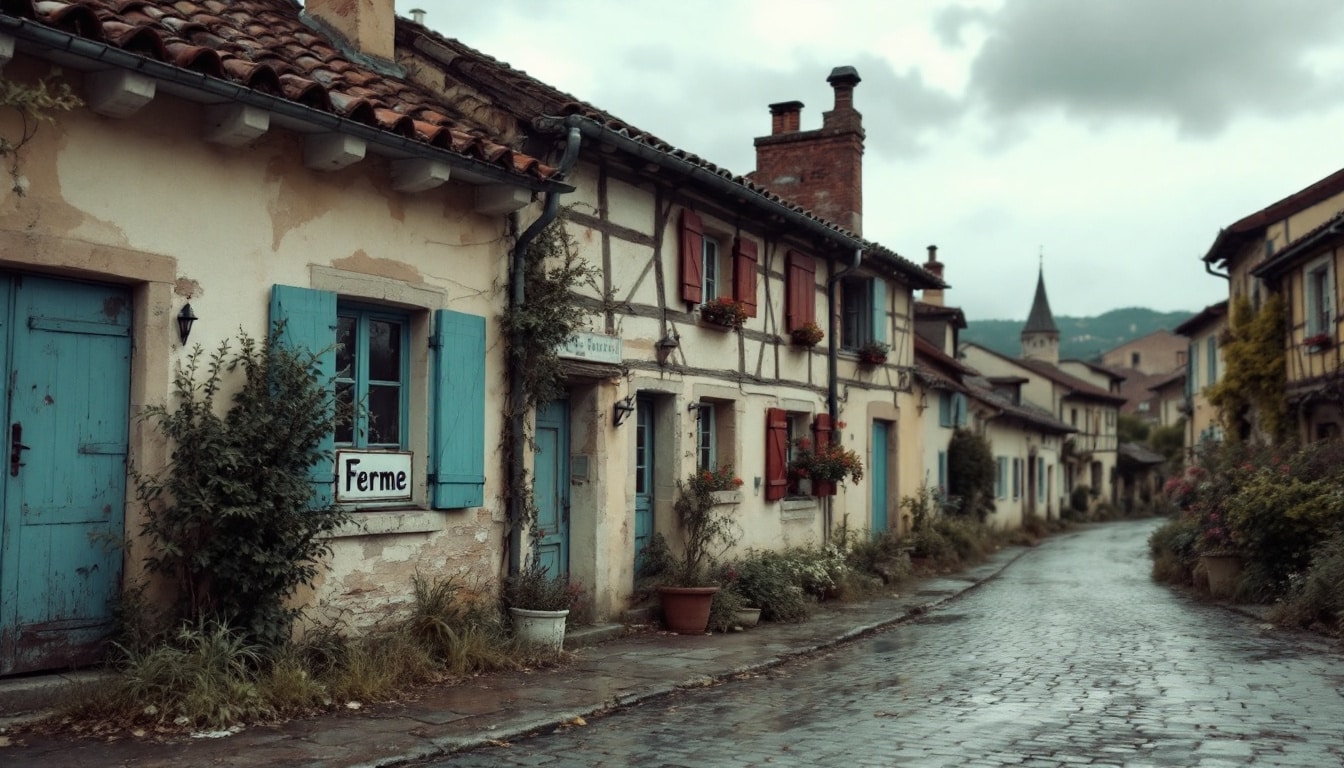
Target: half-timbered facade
680 242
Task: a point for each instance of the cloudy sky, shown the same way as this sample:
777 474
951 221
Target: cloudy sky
1114 136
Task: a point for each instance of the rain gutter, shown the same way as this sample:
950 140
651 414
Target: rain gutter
517 414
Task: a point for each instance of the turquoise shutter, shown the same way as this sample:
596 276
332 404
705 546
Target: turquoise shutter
879 306
309 318
457 464
958 410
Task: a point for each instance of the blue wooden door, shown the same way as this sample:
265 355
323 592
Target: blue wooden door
66 358
643 478
551 485
878 471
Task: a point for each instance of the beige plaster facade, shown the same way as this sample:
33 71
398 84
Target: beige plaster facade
144 201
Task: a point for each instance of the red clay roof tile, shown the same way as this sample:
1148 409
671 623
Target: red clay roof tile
264 45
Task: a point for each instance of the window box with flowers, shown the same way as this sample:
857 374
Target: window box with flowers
873 353
1318 342
724 312
832 463
808 335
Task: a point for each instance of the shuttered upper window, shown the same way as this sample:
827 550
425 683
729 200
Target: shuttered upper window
707 273
800 289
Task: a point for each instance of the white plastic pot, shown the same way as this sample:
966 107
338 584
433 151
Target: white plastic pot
540 629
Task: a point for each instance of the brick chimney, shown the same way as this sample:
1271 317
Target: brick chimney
367 26
933 295
822 169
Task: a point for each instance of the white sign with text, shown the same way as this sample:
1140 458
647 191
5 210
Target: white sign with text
373 476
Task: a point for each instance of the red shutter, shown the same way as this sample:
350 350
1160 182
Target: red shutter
744 274
821 437
692 247
776 454
800 291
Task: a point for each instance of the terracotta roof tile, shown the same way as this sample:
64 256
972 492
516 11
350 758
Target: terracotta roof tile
263 45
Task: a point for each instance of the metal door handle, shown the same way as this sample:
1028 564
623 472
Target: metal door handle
16 448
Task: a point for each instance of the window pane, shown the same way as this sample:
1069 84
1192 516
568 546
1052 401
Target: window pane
710 267
384 350
345 413
384 415
345 347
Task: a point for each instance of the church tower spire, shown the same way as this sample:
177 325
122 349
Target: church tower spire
1040 336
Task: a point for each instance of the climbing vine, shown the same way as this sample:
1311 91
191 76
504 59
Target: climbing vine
34 105
552 312
1249 397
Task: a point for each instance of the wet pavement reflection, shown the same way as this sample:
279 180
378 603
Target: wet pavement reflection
1072 656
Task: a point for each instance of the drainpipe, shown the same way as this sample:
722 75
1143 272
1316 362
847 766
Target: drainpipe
832 401
517 296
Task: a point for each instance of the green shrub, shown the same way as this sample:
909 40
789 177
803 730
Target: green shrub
1276 519
970 473
1173 550
231 516
723 610
767 581
1079 500
1317 597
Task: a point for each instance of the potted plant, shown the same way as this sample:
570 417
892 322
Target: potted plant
707 530
808 335
873 353
1218 555
724 311
1318 342
537 600
825 464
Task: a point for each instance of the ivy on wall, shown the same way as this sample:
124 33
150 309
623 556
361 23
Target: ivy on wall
34 105
1250 396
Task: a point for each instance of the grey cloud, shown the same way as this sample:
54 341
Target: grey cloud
948 23
1196 62
899 109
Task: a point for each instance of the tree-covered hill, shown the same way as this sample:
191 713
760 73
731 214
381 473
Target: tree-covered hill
1079 337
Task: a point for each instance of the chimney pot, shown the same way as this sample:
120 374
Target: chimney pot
785 117
418 16
842 76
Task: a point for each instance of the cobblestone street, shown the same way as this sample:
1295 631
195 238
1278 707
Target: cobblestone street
1073 656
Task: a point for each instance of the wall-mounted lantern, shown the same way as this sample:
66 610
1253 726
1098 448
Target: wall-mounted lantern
185 319
622 409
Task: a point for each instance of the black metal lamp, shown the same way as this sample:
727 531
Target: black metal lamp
623 408
185 319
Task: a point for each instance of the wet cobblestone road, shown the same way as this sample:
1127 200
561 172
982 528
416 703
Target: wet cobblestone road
1072 656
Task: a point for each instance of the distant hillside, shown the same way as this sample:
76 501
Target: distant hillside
1079 337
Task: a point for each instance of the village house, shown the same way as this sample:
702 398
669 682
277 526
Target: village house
822 350
228 170
1250 255
1156 353
1305 273
1204 367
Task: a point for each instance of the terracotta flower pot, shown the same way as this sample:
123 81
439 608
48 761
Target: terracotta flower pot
686 609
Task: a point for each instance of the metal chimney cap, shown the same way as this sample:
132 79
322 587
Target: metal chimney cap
845 75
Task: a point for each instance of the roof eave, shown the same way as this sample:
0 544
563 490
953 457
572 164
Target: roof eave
49 43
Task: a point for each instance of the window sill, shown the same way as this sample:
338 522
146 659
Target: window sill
727 497
798 508
381 522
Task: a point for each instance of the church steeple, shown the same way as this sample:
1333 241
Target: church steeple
1040 336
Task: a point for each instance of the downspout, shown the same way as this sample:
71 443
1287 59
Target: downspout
832 400
1209 268
517 297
